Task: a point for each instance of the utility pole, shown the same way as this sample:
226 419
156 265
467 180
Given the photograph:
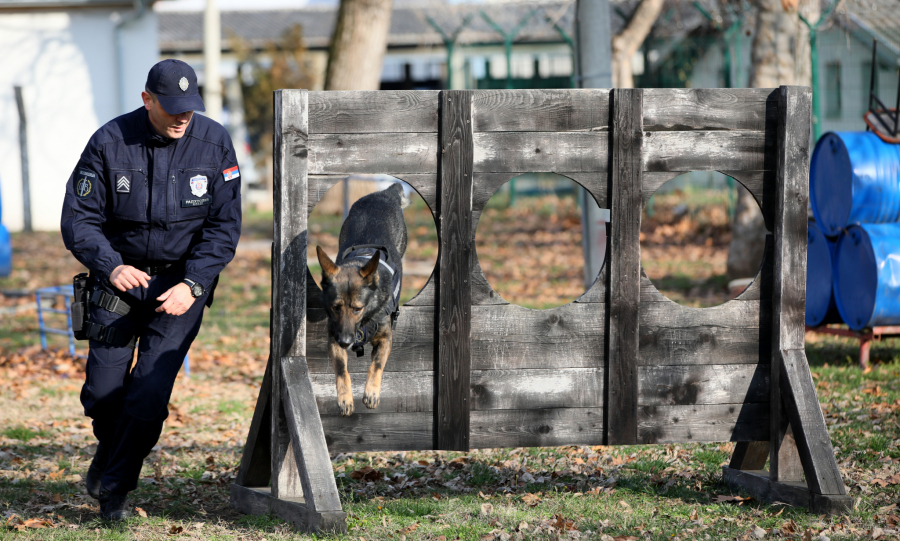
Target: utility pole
212 60
593 68
23 144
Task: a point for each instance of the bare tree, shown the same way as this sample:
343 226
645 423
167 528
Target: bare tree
358 44
780 56
626 43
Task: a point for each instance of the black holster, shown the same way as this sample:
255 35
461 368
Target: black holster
80 311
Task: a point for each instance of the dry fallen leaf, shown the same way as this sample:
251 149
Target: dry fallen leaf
409 529
367 474
140 512
487 508
175 530
531 500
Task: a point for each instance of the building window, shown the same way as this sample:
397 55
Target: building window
833 90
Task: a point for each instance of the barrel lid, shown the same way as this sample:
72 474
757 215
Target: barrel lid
856 277
818 276
831 184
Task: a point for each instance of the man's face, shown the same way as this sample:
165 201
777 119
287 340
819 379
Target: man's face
171 126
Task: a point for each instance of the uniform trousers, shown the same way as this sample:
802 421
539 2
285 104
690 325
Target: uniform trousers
128 404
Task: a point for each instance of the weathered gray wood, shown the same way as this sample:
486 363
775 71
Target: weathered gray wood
373 111
597 292
706 151
537 427
482 292
813 441
652 181
393 154
259 501
703 384
624 267
256 462
425 296
760 184
307 439
424 184
546 152
681 109
456 257
749 455
758 484
289 271
487 184
789 284
382 432
541 110
703 423
410 392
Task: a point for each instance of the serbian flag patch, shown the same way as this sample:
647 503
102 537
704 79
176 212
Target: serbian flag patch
231 174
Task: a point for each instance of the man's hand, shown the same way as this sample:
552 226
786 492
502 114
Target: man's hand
176 300
125 277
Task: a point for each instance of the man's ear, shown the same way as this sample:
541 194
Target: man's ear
329 269
369 276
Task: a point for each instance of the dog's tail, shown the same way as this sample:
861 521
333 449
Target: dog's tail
404 201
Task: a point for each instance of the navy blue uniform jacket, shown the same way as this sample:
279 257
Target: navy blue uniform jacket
137 197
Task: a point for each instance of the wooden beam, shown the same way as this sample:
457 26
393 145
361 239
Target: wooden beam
373 153
789 284
541 152
543 110
624 258
705 150
758 484
256 462
259 501
373 111
288 321
454 287
680 109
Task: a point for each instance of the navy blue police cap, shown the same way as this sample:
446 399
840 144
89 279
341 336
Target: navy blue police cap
175 85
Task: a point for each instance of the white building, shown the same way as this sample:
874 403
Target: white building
79 63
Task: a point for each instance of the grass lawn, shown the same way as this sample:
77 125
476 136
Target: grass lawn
607 493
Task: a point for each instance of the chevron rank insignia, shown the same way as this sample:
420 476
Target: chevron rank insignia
123 184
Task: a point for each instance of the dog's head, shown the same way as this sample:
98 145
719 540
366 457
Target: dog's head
350 293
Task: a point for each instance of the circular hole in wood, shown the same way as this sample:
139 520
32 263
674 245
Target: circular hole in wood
328 215
529 240
686 231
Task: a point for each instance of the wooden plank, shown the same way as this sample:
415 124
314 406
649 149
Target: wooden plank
703 423
537 427
541 110
413 344
373 153
813 441
703 384
393 111
509 336
757 483
425 296
482 292
706 151
289 271
750 455
425 184
307 438
624 259
411 392
541 152
256 462
652 181
487 184
259 501
684 109
789 261
760 184
382 432
454 288
597 293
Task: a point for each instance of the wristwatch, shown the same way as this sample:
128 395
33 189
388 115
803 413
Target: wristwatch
196 289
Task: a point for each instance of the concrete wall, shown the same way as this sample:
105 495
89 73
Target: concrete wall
67 65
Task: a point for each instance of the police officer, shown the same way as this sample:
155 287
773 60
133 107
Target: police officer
153 210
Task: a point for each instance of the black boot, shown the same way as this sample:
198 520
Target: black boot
114 506
95 472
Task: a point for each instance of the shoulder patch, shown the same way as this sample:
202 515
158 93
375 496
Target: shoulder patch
232 173
84 183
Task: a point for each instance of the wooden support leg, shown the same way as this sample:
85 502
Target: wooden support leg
256 466
864 344
750 455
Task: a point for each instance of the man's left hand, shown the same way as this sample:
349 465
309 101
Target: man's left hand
176 300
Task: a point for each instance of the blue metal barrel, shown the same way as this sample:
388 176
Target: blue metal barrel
821 308
854 178
867 275
5 247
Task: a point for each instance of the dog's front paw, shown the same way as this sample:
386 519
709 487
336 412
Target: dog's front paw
371 398
346 405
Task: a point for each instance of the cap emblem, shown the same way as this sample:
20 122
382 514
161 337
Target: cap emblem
183 84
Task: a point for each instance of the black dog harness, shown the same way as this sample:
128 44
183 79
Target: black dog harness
392 307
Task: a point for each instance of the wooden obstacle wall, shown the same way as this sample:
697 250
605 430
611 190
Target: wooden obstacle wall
620 365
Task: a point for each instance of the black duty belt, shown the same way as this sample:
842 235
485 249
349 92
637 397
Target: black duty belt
156 268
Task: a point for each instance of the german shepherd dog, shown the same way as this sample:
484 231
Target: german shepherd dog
361 289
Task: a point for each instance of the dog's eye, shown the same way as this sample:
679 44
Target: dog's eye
357 310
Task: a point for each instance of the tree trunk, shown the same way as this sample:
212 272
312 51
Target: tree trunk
780 56
627 42
358 44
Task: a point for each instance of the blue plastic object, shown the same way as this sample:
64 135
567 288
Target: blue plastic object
5 247
821 308
854 178
867 275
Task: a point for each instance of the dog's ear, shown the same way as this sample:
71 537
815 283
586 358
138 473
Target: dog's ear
368 271
329 269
